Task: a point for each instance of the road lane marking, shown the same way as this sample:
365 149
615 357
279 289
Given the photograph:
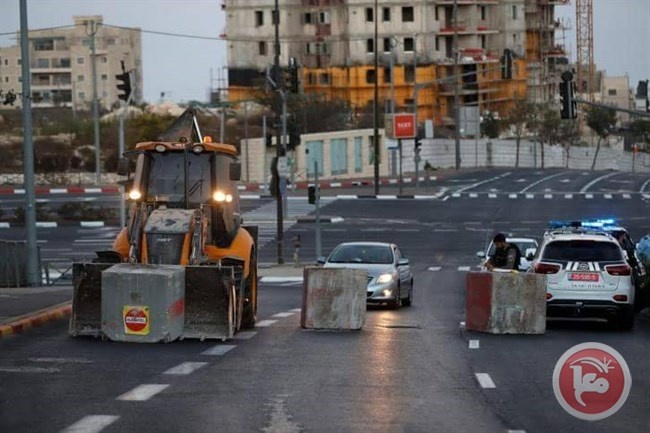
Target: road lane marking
568 195
645 184
435 268
283 315
608 196
516 431
589 196
296 310
442 230
244 335
473 195
473 344
28 370
464 268
46 224
265 323
456 195
547 196
512 195
492 195
627 196
485 380
61 360
91 223
91 424
219 349
492 179
544 179
281 280
529 196
142 392
595 181
462 324
185 368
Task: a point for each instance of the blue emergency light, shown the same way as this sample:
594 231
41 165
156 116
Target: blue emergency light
598 223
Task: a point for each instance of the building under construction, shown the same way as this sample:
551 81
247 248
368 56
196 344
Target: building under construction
421 44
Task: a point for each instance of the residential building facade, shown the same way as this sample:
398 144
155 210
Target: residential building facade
333 41
61 64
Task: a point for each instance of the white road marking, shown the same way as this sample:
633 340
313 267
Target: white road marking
93 190
473 344
219 349
595 181
608 196
244 335
373 230
474 185
4 225
92 223
58 190
42 200
265 323
512 195
46 224
408 230
54 250
485 380
568 195
61 360
627 196
464 268
473 195
530 195
281 280
565 180
516 431
336 220
544 179
462 324
296 310
589 196
28 370
547 196
456 195
435 268
492 195
645 184
142 392
185 368
91 424
283 315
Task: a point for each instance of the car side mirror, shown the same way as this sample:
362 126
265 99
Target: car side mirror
530 253
320 260
403 262
124 166
481 254
235 171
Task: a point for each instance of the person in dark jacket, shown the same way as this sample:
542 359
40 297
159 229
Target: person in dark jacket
506 255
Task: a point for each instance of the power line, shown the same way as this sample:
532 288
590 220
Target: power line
38 30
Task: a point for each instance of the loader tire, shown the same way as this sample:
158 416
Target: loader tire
250 293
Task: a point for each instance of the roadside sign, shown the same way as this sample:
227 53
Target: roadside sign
428 128
136 319
400 125
283 167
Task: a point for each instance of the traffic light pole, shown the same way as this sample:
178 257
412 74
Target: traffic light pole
120 151
92 32
279 148
317 186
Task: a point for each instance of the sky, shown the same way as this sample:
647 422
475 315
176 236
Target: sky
180 67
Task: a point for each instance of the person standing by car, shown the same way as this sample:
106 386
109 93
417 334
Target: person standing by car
506 255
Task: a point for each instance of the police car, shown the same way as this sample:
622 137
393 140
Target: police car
587 274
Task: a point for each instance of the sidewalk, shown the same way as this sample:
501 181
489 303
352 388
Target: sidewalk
26 307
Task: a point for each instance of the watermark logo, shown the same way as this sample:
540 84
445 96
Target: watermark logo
591 381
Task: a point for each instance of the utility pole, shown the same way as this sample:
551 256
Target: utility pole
318 234
416 149
33 272
248 176
125 107
456 91
376 104
279 148
91 30
266 163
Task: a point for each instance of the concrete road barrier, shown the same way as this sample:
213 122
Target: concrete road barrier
143 303
334 298
505 303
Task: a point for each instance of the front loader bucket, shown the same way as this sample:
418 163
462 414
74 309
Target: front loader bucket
86 318
212 302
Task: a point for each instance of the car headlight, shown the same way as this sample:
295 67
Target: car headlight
134 194
219 196
385 278
387 293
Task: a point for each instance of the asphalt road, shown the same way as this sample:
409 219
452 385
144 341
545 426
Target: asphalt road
410 370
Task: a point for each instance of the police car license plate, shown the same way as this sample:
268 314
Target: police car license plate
583 276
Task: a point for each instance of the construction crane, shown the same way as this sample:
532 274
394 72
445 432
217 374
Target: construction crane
585 48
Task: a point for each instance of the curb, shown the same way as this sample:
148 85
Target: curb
341 184
54 224
36 318
68 190
312 219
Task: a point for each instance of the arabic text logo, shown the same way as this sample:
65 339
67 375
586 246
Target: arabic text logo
591 381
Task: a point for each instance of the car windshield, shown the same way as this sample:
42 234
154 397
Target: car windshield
166 177
582 250
523 246
375 254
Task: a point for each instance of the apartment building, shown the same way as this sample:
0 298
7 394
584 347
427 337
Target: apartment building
333 40
61 66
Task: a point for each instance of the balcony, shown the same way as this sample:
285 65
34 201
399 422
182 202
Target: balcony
461 27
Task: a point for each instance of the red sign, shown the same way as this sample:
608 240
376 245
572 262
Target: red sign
591 381
136 319
404 125
583 276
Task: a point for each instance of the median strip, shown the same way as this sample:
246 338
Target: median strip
22 323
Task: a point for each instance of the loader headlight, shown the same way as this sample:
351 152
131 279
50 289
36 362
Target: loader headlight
219 197
197 149
385 278
134 194
228 198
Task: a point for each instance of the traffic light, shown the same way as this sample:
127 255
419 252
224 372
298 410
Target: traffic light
125 86
293 82
417 145
294 137
568 104
506 65
311 194
274 186
269 140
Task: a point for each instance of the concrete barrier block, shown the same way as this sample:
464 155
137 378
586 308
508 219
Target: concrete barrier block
334 298
505 303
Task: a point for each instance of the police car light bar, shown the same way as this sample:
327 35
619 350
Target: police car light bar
590 223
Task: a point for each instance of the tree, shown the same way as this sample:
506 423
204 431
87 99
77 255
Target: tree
569 136
640 131
520 118
548 128
602 121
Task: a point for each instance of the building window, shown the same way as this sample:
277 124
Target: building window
385 14
6 79
358 154
409 102
437 14
324 17
261 48
387 74
80 78
7 62
339 155
409 45
44 45
80 60
370 15
307 18
370 76
104 77
82 96
65 63
20 79
387 45
104 95
483 12
311 79
514 12
324 78
407 14
611 92
370 46
409 73
110 41
18 62
483 41
104 59
42 63
259 18
86 42
437 44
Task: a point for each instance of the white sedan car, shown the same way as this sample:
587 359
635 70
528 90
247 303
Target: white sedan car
527 246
